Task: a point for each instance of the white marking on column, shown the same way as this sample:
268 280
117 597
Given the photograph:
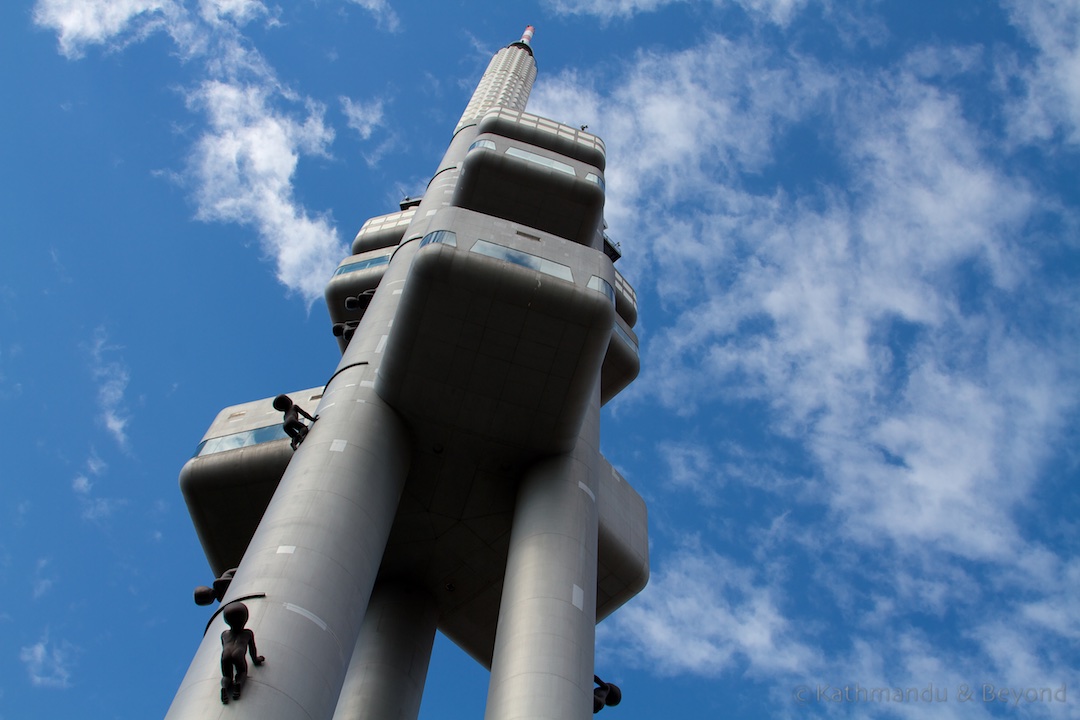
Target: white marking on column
367 383
588 492
382 344
338 446
286 549
309 615
579 598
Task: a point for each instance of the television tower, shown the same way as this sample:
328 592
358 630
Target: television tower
451 476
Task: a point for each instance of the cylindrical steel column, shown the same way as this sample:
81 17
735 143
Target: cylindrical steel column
386 677
542 665
310 567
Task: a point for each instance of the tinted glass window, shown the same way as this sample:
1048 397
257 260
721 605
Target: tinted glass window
599 284
548 267
445 237
240 440
363 264
541 160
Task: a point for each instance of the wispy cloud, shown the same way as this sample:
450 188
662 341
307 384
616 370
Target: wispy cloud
95 509
242 166
799 304
98 509
776 11
702 613
685 125
48 663
112 377
95 466
1051 99
81 23
384 14
881 311
690 464
364 118
41 582
237 12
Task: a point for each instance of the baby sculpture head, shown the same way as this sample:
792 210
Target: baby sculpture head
236 615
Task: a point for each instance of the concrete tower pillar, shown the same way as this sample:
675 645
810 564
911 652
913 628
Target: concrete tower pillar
542 666
309 570
386 677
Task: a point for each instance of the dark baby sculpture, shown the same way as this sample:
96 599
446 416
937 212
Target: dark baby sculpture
607 695
294 426
236 642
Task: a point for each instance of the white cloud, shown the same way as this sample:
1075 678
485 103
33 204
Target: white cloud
41 583
1051 101
884 314
94 509
1058 609
81 484
384 14
237 11
97 510
112 377
793 303
684 126
79 23
243 168
702 613
48 664
776 11
1016 654
363 118
690 464
94 464
608 9
967 452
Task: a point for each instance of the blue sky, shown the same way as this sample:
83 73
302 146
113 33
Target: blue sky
853 231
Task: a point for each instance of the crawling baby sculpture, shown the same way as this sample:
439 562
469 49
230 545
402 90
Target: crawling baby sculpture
236 643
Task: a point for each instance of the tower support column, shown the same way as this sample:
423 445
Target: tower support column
309 569
386 677
542 666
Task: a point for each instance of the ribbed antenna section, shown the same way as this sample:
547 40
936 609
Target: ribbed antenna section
507 81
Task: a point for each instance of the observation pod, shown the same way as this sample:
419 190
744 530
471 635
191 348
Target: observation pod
448 475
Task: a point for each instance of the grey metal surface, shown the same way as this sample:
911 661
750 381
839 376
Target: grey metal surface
227 490
542 666
386 677
383 231
314 556
452 525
